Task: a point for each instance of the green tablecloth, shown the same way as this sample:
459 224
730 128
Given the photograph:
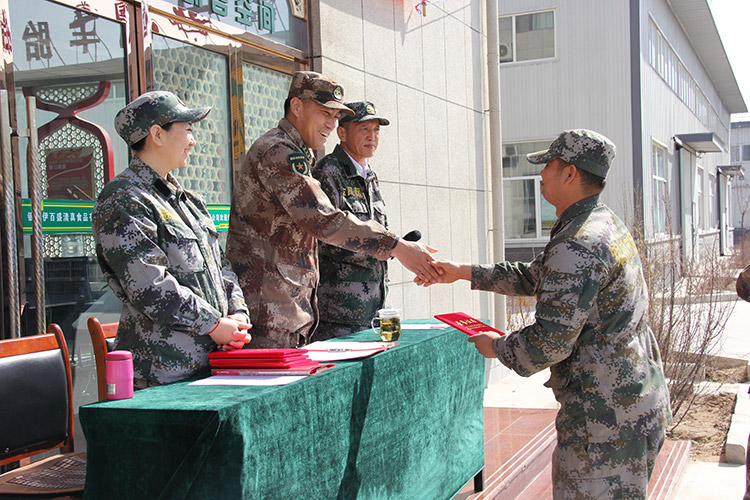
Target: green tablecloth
403 424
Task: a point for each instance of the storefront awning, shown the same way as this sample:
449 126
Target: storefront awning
702 142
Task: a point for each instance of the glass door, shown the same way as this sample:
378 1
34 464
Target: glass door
72 61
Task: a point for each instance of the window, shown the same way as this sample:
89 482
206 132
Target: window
264 93
527 37
526 213
659 187
665 61
746 152
200 78
735 157
699 203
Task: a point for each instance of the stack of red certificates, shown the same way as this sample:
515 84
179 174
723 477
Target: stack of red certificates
264 362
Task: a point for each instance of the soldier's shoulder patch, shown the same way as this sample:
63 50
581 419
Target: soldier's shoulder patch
298 163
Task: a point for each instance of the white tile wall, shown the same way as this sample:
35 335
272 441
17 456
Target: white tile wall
382 92
434 142
411 116
409 46
378 25
425 74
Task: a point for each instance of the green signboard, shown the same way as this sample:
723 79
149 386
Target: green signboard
74 216
220 215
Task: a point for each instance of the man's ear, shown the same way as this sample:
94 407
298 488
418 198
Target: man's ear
341 131
295 106
572 172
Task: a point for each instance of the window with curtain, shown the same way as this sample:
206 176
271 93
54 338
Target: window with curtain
527 37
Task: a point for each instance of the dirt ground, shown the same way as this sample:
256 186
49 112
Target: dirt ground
707 421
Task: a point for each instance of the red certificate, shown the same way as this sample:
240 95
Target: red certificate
465 323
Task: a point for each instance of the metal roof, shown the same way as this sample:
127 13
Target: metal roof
694 16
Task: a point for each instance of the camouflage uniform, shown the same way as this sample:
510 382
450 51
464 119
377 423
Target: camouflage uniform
278 213
352 285
743 291
743 284
590 329
159 251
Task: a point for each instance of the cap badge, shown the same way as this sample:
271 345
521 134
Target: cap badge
370 109
338 92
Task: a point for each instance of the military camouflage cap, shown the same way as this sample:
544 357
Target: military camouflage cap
158 107
319 88
363 111
585 149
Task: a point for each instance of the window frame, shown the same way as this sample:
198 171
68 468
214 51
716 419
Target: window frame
713 219
657 180
540 236
514 42
700 208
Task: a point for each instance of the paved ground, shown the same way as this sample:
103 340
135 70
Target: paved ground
701 481
736 336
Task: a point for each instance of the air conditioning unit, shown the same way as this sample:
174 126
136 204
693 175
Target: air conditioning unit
504 50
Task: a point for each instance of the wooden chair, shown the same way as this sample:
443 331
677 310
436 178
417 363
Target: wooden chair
37 416
103 340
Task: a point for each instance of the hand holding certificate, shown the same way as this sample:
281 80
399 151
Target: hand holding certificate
480 334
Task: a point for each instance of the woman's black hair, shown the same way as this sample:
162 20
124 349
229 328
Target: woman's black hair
138 146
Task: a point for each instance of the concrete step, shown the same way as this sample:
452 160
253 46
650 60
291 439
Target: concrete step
670 466
540 488
515 475
518 458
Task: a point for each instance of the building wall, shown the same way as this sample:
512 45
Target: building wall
666 115
589 84
425 74
740 136
586 84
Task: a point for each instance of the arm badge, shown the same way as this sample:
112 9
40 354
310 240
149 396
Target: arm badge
298 163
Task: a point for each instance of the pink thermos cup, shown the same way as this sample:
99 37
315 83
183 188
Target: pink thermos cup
119 375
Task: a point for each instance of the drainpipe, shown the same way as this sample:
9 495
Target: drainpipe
495 152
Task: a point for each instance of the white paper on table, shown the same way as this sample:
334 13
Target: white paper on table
248 380
341 351
430 326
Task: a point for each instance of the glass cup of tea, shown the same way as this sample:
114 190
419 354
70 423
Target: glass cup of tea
388 323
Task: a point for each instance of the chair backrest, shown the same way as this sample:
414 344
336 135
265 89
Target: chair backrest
103 340
37 396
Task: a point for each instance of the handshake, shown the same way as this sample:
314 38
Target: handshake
417 258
